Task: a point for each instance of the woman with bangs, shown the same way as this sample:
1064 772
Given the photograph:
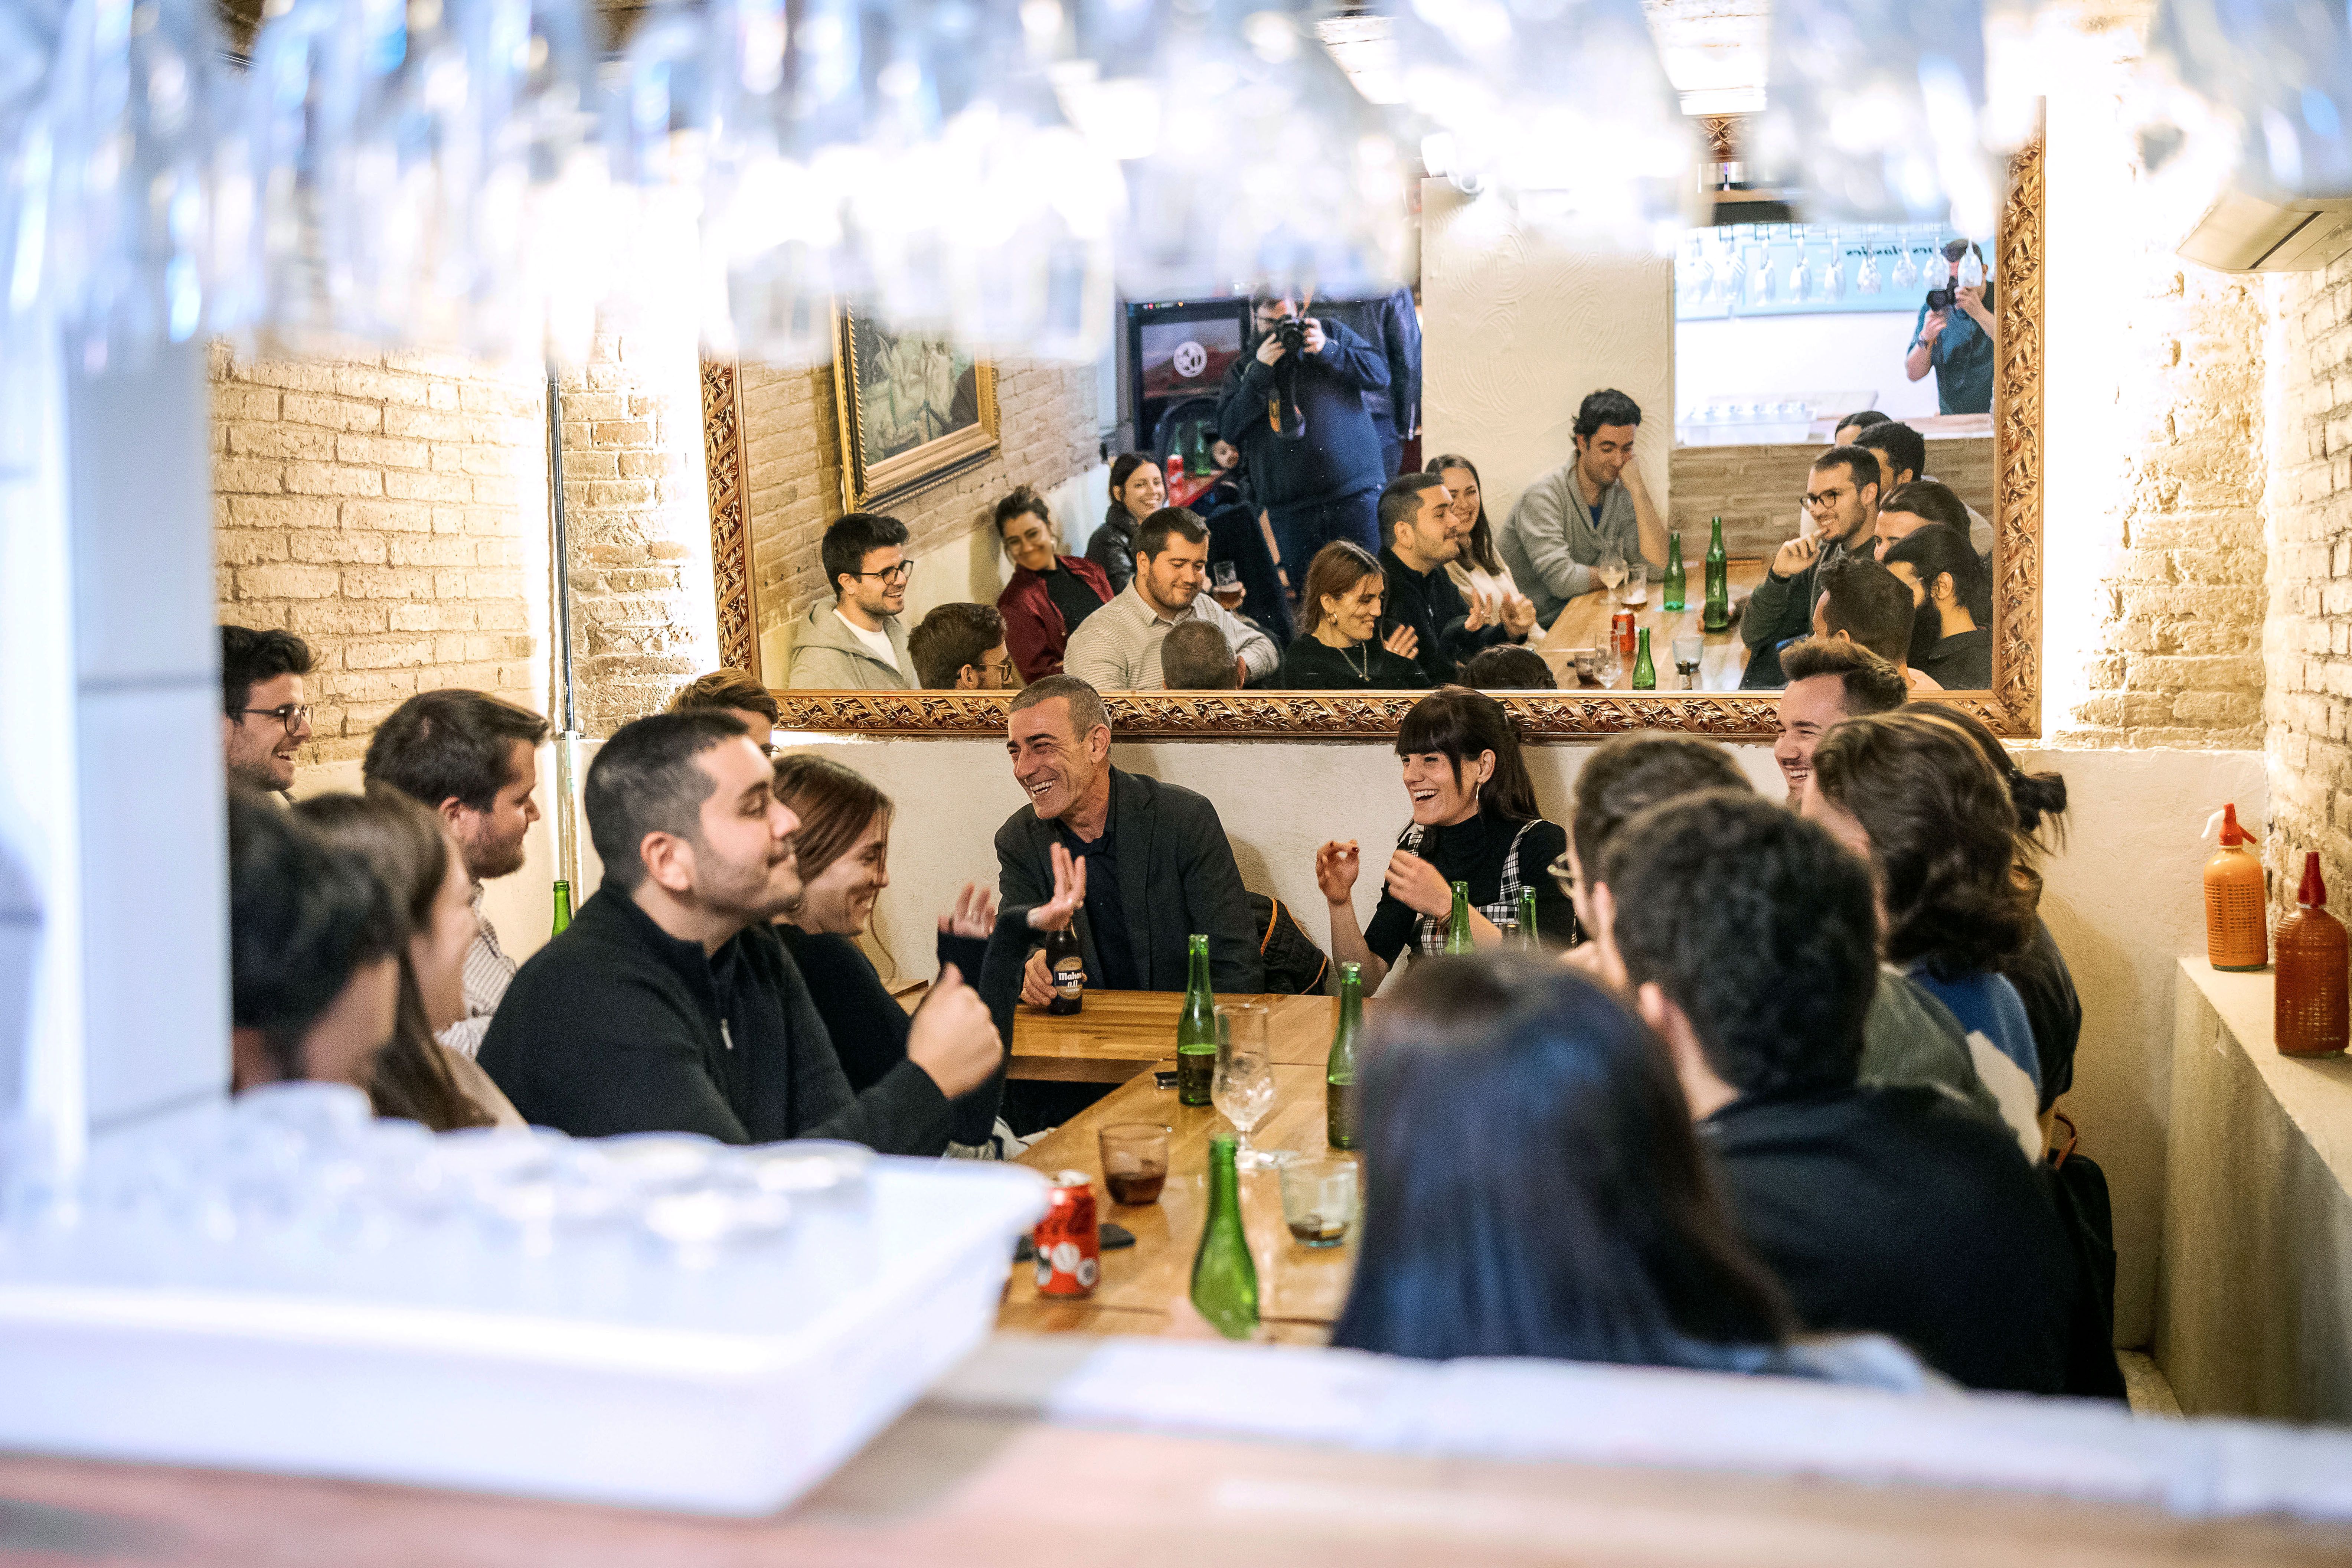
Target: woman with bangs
1474 820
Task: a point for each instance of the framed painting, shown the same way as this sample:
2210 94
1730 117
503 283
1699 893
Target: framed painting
914 409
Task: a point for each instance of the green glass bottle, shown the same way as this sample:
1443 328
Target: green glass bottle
1225 1281
1675 586
1457 924
1339 1066
563 907
1196 1031
1528 932
1645 674
1717 613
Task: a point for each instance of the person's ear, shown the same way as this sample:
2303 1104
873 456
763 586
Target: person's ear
669 861
1099 743
1946 590
1485 767
1672 1027
967 678
452 811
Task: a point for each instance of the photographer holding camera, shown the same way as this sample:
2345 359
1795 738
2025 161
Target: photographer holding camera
1953 334
1294 406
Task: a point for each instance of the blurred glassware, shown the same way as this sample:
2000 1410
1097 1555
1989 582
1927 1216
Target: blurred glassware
1833 279
1875 109
1866 278
1906 271
1801 278
2266 85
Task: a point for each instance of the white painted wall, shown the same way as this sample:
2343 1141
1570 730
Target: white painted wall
1515 331
1795 356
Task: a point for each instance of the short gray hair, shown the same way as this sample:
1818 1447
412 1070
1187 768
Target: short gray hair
1087 709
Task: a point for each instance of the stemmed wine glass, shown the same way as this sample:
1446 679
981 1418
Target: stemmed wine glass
1688 650
1244 1087
1611 570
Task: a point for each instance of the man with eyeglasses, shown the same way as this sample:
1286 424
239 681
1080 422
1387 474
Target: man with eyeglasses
266 719
1841 492
856 643
960 648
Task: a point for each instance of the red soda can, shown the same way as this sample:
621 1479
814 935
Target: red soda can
1620 630
1069 1247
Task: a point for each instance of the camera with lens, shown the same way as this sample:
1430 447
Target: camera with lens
1955 250
1940 299
1291 333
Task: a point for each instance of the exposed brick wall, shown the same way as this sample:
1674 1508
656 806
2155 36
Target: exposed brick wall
387 511
792 459
2307 649
1758 490
643 622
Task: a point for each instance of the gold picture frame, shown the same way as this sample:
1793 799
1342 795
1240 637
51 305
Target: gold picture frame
2013 708
913 409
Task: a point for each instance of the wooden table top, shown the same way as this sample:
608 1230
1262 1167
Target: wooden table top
947 1484
1123 1033
1300 1289
1584 623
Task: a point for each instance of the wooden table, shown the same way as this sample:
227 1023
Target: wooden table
1584 623
1300 1289
1123 1033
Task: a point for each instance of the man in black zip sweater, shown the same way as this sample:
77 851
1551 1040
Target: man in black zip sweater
670 1006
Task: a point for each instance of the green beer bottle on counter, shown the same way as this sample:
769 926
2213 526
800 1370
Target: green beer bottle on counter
1717 613
563 907
1339 1066
1675 584
1196 1031
1528 932
1457 924
1225 1281
1645 674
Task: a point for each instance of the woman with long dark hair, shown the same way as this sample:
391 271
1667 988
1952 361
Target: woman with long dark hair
1944 577
408 851
1540 1191
1916 799
1137 491
1050 594
1478 569
1340 647
1474 820
2038 969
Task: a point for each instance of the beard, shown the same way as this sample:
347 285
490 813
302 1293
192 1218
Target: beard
489 856
1926 631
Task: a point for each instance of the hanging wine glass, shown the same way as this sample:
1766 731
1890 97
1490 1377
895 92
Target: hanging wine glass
1801 278
1833 278
1905 276
1866 278
1759 277
1725 281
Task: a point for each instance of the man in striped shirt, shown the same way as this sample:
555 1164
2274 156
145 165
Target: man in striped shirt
473 758
1117 647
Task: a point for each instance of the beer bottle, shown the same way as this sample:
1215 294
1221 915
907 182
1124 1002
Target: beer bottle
1674 591
1196 1031
1645 674
1717 613
1339 1066
1225 1281
1528 932
1067 966
563 907
1457 924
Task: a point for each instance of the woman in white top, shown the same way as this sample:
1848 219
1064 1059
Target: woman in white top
1478 569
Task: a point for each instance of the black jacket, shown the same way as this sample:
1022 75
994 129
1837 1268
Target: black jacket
867 1026
1176 877
1899 1211
1337 453
1433 607
617 1026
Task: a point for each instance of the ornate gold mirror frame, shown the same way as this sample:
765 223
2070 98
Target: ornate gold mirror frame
2012 708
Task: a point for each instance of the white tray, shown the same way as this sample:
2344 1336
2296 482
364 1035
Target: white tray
720 1422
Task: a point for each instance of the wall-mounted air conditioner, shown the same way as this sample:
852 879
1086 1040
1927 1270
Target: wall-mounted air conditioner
2247 233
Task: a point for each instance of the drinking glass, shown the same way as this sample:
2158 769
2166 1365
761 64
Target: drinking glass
1134 1161
1319 1200
1688 650
1611 570
1244 1087
1228 590
1637 584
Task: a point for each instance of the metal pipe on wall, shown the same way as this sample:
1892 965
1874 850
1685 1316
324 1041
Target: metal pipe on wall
567 739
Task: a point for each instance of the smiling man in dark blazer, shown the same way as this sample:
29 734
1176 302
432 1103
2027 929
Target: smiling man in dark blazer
1159 868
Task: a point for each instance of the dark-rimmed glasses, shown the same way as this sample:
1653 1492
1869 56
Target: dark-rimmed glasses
291 714
898 573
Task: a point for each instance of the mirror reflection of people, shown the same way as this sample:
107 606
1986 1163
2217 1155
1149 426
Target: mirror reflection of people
1477 567
265 717
1848 433
1474 820
1862 602
1422 535
1591 507
1344 648
1119 649
1542 1194
1957 341
961 648
1902 454
1925 503
1050 595
1304 430
1195 656
1507 666
1940 569
858 642
1841 492
1137 490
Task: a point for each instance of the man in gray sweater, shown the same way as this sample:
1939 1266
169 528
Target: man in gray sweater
857 643
1587 508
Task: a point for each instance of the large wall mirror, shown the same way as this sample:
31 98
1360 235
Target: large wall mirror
1743 349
